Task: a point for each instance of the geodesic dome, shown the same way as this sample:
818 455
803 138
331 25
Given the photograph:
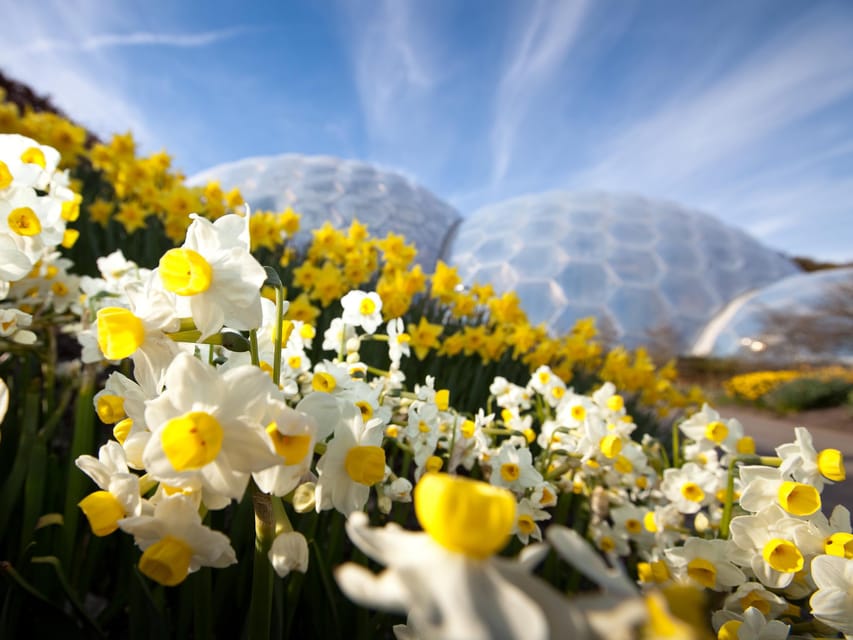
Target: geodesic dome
323 188
821 298
638 265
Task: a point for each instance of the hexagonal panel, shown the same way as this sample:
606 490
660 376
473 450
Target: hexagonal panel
634 265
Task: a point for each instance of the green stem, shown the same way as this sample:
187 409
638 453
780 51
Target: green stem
253 347
725 521
260 607
676 446
277 335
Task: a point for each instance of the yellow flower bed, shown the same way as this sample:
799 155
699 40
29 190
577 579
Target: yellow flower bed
754 386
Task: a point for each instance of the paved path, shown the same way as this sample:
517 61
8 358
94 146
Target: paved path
769 432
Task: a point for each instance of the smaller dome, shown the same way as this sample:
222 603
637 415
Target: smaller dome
325 189
804 316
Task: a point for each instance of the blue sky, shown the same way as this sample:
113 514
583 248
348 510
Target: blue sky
740 108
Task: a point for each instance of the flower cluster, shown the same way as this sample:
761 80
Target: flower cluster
36 205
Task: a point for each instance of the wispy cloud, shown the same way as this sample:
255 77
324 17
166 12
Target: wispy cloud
544 39
794 76
393 63
135 39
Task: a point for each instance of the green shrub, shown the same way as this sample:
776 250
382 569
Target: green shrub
809 393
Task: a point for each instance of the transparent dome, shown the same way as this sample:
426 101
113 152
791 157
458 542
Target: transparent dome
643 267
807 315
329 189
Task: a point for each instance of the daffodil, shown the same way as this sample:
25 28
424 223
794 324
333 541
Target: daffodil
756 595
292 435
175 542
207 426
362 309
447 578
353 462
119 489
214 276
708 429
832 603
765 485
513 468
766 543
689 488
705 562
751 625
805 464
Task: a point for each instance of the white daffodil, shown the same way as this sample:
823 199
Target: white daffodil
574 409
832 536
709 430
766 543
609 541
754 594
292 434
336 337
689 488
527 514
628 520
289 552
751 625
26 162
398 342
175 542
119 489
215 276
34 222
122 403
139 332
513 468
353 462
422 430
509 395
15 263
610 404
13 323
547 384
832 603
705 562
802 461
207 426
765 485
362 309
447 579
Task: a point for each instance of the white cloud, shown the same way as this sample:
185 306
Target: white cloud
394 65
141 38
794 76
544 40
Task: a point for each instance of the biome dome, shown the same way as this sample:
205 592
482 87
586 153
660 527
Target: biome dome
746 327
323 188
637 264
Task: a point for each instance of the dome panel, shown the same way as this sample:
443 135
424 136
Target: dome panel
325 189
